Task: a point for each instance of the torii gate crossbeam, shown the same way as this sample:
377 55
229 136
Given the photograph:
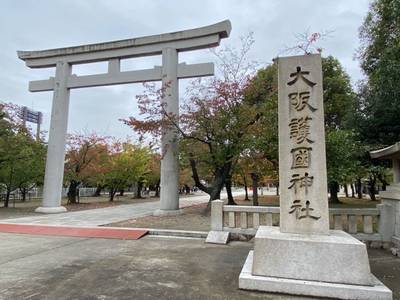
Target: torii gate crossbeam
168 45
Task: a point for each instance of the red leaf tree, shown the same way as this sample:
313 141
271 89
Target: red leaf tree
214 122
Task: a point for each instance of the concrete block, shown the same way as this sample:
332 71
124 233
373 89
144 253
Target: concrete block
338 257
51 210
247 281
218 237
166 212
217 215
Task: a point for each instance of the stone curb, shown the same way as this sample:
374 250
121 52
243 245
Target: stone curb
176 233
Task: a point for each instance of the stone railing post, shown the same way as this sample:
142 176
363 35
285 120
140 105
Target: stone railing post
386 221
217 215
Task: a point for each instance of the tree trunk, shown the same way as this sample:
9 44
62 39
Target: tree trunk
215 193
334 189
139 187
228 186
352 190
158 189
246 193
7 200
358 188
383 181
214 190
72 191
346 191
255 178
97 193
277 189
121 192
112 194
23 193
372 188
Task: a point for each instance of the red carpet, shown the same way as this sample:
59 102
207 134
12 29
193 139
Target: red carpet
89 232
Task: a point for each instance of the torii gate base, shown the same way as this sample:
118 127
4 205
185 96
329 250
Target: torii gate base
168 45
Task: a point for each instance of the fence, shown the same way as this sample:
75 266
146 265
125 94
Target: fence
37 193
366 224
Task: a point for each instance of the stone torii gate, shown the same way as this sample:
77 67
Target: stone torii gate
168 45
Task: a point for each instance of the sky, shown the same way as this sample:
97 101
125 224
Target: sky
45 24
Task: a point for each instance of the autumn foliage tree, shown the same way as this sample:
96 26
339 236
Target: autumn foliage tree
81 160
152 177
214 122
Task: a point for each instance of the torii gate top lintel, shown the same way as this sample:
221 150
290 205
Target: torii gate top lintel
186 40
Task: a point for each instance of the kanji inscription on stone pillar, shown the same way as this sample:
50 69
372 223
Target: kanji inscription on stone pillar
302 162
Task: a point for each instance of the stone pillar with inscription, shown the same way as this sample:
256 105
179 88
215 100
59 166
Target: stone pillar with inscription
302 166
302 256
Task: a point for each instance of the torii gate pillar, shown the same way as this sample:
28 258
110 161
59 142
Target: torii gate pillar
169 194
168 45
54 173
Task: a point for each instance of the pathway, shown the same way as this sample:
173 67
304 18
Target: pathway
102 216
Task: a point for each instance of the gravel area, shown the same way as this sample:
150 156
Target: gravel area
194 218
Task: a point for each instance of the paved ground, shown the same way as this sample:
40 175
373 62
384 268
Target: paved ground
101 216
37 267
27 208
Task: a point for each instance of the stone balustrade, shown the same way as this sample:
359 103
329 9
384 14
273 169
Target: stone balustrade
366 224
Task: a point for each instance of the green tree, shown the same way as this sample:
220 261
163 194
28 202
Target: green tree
342 150
21 157
126 164
22 165
152 177
379 55
339 100
30 171
341 143
262 144
339 97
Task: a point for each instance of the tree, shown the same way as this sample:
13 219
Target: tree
341 143
81 154
252 167
152 177
262 147
241 175
21 157
339 100
30 171
342 150
215 121
339 97
379 55
185 178
22 165
126 164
